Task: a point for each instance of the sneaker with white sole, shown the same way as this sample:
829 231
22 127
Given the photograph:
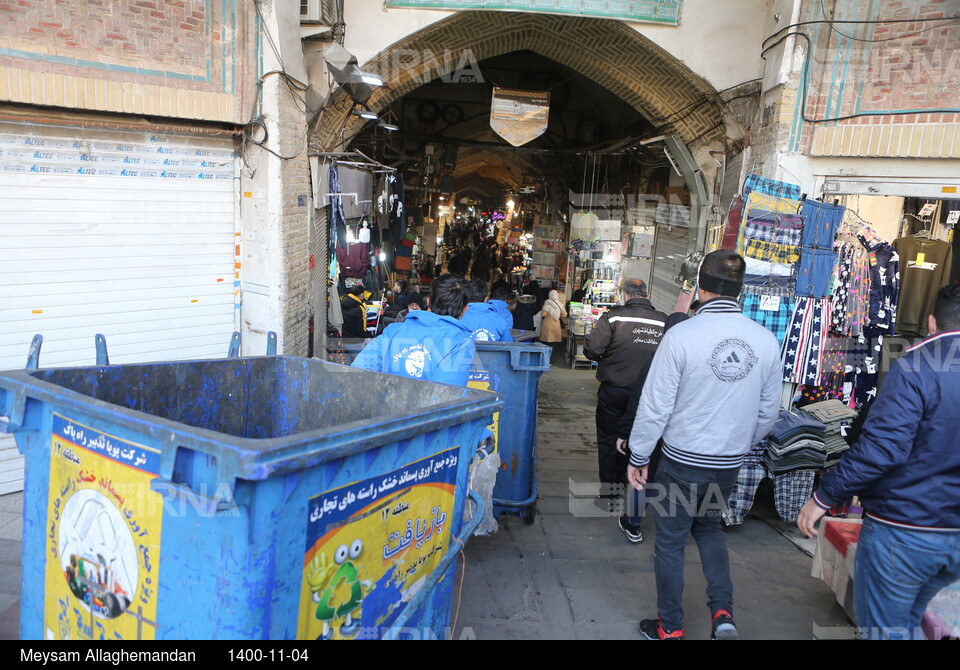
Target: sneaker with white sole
632 532
723 626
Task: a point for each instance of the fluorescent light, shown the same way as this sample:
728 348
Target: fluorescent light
510 204
365 114
389 126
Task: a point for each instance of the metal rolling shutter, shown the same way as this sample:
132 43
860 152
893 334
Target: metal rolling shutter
126 233
670 249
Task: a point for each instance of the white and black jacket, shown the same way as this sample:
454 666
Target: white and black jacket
713 390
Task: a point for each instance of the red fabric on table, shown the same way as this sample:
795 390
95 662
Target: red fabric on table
842 535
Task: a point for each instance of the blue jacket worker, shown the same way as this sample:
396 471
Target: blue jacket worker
906 469
498 298
432 346
482 318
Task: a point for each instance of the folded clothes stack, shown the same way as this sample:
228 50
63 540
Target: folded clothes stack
836 417
797 442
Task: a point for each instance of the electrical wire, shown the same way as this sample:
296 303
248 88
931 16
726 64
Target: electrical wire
806 82
823 10
858 22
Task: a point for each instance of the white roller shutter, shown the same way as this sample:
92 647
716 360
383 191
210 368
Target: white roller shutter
126 233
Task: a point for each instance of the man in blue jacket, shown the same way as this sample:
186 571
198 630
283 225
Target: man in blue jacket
482 318
906 469
433 346
499 295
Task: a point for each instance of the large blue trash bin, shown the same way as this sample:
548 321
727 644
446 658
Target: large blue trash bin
513 370
253 498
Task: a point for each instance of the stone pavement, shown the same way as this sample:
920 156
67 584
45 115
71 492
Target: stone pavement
575 576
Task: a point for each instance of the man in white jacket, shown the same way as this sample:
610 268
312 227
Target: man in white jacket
712 393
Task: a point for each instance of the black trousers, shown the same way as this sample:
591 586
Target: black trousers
611 404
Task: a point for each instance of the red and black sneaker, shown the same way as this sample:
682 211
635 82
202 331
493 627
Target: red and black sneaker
723 626
652 630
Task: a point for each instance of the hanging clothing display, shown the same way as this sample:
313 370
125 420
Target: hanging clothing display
770 310
884 264
805 340
354 259
817 258
772 187
338 218
925 266
397 218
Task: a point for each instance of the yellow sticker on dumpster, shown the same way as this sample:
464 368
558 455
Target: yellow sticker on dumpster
103 536
485 381
370 547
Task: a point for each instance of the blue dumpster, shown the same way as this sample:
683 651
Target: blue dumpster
253 498
513 370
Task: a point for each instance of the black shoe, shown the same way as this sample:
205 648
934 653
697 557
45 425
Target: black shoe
652 630
723 626
632 532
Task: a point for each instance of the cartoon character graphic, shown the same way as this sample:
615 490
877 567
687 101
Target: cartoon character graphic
338 590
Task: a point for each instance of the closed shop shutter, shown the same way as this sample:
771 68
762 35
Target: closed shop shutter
670 249
126 233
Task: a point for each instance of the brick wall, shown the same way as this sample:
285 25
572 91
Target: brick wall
908 66
179 58
295 223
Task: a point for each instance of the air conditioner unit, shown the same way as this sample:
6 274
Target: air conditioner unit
318 11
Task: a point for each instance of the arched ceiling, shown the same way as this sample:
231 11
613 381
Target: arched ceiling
606 52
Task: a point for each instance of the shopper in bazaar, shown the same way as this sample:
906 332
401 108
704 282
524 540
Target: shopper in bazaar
483 318
713 392
622 342
429 345
551 330
906 469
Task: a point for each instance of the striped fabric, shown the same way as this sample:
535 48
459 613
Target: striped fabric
701 460
804 344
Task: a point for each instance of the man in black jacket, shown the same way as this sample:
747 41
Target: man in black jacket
622 342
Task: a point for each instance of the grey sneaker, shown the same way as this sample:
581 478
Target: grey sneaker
632 532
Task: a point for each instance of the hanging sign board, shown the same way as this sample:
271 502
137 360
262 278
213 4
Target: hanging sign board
519 116
665 12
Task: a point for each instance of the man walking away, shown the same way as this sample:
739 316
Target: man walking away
712 393
906 469
623 342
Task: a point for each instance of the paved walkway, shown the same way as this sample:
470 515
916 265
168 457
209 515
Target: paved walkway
574 575
569 576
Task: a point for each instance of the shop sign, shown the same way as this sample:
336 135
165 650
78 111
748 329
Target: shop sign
645 11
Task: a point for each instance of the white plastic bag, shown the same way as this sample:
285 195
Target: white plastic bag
483 477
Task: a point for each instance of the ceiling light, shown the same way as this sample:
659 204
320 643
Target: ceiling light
389 126
366 114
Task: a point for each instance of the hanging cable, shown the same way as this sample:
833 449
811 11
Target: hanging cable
806 82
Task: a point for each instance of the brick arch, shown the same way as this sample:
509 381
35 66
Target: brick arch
609 52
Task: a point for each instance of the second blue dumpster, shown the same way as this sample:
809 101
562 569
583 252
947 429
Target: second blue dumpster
245 498
513 369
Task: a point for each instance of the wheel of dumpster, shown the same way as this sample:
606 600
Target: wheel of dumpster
530 514
113 605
